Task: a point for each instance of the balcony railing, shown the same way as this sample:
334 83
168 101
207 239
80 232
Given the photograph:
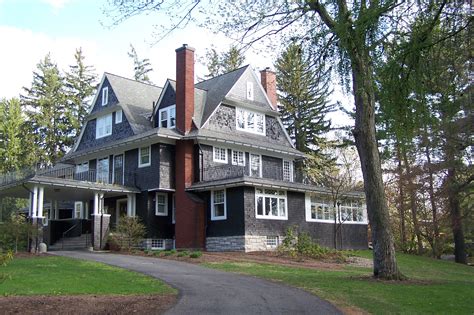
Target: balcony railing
65 173
234 171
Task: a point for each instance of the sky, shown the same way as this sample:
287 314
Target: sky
30 29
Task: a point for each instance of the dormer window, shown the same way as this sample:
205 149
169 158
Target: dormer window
105 96
250 91
287 171
104 126
250 121
167 117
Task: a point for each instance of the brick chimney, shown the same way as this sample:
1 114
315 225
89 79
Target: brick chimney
190 210
184 88
268 80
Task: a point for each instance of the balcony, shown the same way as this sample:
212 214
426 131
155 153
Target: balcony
233 171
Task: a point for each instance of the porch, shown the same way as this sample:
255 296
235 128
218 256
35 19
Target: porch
88 219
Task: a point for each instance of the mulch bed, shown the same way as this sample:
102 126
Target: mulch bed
87 304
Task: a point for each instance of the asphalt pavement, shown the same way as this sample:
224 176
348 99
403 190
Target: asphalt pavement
207 291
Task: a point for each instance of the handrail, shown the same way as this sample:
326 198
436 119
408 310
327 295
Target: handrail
68 230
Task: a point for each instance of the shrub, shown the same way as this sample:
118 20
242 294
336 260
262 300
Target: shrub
170 252
195 254
300 244
128 233
183 253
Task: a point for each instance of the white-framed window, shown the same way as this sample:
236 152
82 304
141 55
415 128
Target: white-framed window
218 205
144 156
83 167
219 155
287 171
78 209
105 95
157 244
167 117
270 204
104 126
238 158
272 241
352 211
250 91
161 204
103 170
250 121
321 210
255 165
118 116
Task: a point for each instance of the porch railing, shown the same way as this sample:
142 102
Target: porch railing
12 177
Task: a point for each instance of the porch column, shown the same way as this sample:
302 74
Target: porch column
96 204
34 203
101 203
56 210
131 205
86 209
40 201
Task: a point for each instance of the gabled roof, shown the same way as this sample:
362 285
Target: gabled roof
216 88
136 100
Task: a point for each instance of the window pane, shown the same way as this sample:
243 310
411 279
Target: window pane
267 206
250 121
282 207
219 210
259 119
260 205
172 117
313 212
218 196
255 165
274 206
240 119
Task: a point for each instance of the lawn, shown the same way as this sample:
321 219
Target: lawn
52 275
435 286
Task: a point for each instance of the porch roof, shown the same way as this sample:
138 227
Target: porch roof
267 183
62 189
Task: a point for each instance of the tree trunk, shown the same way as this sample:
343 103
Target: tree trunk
456 218
385 264
434 208
413 205
401 193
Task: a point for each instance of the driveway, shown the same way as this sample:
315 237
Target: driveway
208 291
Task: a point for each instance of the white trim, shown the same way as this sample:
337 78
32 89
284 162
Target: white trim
214 159
279 197
105 95
168 110
165 204
232 157
105 119
250 164
221 217
123 167
324 202
117 121
290 169
108 169
173 209
81 211
140 157
245 113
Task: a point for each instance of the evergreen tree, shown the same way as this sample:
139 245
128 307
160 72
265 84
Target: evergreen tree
48 115
303 92
15 151
81 83
227 61
141 67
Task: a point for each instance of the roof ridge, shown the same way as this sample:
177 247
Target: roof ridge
136 81
220 75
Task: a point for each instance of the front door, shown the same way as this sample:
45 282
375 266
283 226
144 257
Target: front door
118 169
121 210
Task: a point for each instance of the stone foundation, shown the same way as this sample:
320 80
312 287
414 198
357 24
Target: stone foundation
245 243
96 228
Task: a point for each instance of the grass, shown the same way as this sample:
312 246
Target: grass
435 286
53 275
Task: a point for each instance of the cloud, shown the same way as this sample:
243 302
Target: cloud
56 4
22 50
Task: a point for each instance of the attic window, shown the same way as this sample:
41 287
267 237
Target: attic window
250 91
167 117
104 126
105 96
250 121
118 116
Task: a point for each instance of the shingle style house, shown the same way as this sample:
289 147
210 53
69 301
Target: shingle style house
206 165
